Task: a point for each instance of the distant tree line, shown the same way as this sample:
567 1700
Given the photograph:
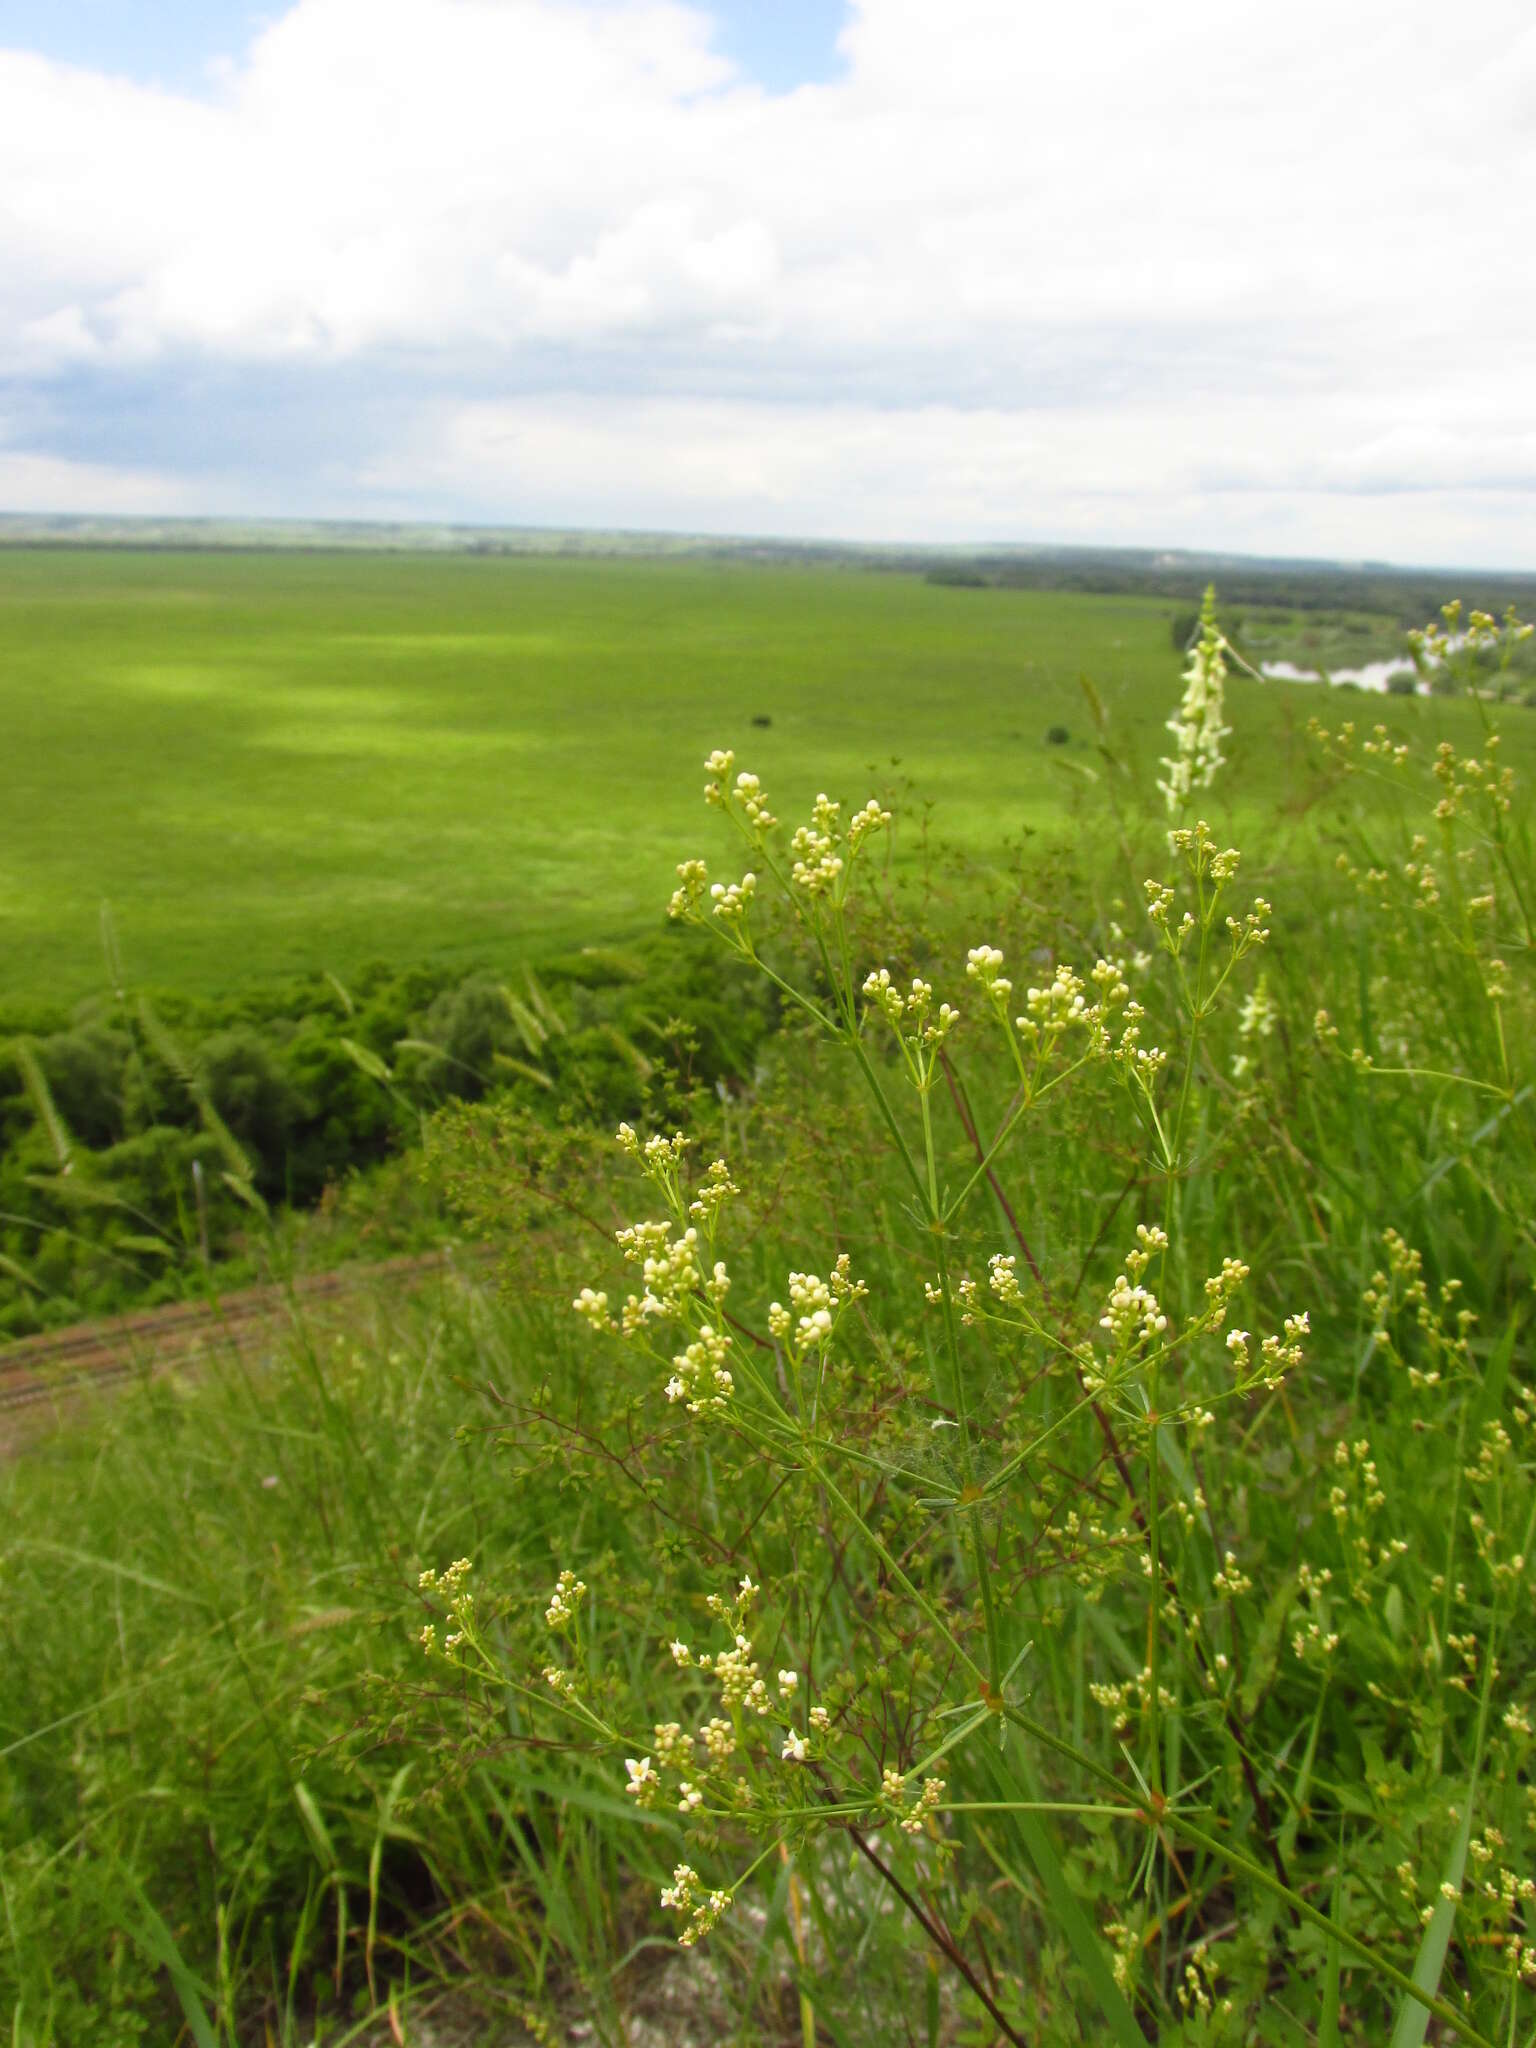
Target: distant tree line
1411 597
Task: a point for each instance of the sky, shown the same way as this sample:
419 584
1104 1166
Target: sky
1212 274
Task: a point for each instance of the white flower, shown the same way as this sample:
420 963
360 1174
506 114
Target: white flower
794 1750
643 1782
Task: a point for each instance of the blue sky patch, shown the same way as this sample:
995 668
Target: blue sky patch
779 43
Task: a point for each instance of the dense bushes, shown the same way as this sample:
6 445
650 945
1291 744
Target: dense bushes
137 1135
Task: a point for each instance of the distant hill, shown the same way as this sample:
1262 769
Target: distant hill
1409 594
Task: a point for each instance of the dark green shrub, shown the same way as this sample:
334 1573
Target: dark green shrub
469 1025
84 1070
345 1118
253 1097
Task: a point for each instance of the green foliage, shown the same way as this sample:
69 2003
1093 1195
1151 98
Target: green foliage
310 1092
181 1750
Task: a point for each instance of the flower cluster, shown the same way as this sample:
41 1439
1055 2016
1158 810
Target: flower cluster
746 793
816 1307
1130 1697
983 965
927 1802
821 853
724 1758
1133 1316
669 1268
1255 1020
1428 1342
449 1587
1447 648
702 1910
565 1602
1063 1004
1197 726
816 849
701 1379
911 1015
1066 1016
730 901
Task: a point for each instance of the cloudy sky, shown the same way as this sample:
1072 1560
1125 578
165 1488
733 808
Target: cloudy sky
1210 273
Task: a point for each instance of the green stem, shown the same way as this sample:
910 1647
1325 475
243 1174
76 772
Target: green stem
1434 1074
887 1115
1050 1740
919 1600
1033 1096
957 1378
1175 1154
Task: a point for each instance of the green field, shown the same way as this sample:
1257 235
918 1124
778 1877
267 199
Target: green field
272 763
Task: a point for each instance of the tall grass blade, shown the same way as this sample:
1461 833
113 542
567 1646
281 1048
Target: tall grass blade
155 1939
1014 1780
1413 2018
361 1056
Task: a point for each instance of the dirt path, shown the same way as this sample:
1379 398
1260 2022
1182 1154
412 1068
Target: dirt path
37 1373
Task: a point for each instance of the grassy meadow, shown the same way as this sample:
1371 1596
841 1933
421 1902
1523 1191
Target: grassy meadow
1035 1546
270 763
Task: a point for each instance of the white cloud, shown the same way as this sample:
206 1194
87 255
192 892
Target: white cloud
1132 259
49 483
1245 475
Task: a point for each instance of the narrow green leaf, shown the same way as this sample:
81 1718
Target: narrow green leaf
1088 1950
243 1189
1496 1377
1412 2017
1259 1665
314 1826
113 1568
157 1942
